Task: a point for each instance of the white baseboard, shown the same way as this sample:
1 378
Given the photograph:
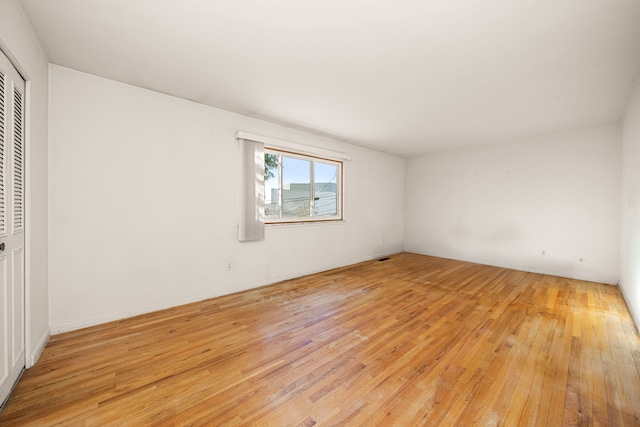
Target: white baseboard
222 290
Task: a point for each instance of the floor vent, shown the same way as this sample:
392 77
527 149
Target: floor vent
384 259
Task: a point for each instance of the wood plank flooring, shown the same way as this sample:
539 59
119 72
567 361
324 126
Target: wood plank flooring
410 341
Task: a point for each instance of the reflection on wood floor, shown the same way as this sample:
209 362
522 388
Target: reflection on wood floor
413 340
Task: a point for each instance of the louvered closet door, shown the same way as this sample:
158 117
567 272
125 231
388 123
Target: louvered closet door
12 326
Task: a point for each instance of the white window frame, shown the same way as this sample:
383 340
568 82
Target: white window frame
312 159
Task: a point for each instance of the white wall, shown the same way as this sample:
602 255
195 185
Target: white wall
505 204
19 43
630 242
144 204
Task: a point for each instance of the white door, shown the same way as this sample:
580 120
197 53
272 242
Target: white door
12 326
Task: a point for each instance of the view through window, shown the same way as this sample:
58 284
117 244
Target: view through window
301 188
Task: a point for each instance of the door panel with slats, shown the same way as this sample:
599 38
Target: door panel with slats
3 222
18 161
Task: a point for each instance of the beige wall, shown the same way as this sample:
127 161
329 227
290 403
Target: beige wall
19 43
630 242
549 204
144 204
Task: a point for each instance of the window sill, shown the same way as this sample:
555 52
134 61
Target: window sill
304 223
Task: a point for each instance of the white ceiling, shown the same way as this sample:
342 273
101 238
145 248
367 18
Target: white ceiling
405 77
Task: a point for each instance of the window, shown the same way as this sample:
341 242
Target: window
300 188
286 182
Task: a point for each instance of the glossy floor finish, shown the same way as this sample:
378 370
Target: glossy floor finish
413 340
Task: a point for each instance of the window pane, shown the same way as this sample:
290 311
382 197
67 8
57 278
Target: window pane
326 189
289 195
271 185
296 183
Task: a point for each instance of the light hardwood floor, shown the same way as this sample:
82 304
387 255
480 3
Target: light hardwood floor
410 341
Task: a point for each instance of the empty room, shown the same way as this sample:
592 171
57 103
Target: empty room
296 213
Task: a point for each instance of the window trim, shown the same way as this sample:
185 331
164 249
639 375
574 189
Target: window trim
305 150
312 158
